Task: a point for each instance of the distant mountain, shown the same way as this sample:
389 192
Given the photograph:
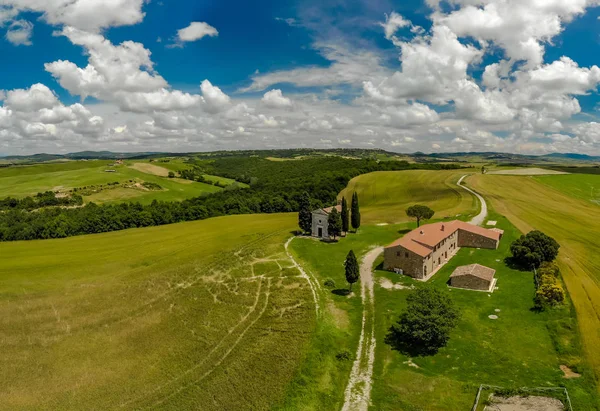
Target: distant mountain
573 156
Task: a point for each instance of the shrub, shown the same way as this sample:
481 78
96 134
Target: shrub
329 283
343 356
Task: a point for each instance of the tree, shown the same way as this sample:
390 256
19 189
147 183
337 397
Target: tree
355 215
334 223
482 169
420 212
345 216
533 249
425 326
171 174
305 213
352 269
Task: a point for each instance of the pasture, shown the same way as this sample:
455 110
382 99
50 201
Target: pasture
204 315
385 195
554 205
30 180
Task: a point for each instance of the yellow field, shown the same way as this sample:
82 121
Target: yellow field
150 169
385 195
574 223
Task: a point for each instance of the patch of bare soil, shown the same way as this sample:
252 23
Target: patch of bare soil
518 403
389 285
340 316
527 172
569 373
150 169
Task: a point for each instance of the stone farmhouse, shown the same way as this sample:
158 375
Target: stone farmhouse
473 277
319 221
420 253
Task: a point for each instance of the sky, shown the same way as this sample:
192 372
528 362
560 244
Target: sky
516 76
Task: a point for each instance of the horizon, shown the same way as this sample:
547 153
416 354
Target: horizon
432 76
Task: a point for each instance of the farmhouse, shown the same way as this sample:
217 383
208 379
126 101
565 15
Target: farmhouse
473 277
420 253
319 221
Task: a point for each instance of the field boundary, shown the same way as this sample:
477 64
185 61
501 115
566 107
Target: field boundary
483 387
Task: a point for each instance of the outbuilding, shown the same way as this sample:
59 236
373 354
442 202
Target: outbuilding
473 277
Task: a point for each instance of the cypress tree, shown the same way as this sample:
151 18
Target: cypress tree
345 216
352 269
334 223
305 213
355 217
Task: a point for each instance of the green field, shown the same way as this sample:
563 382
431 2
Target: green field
203 315
30 180
581 186
554 205
522 348
385 195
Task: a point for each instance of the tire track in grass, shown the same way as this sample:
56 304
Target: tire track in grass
357 396
312 282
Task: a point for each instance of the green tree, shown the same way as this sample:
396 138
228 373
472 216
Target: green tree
305 213
171 174
334 223
345 216
425 325
482 169
533 249
352 269
420 212
355 212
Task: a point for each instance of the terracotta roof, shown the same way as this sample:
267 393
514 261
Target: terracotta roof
422 240
337 207
476 270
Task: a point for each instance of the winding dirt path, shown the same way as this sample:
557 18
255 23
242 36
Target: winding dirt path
479 218
358 392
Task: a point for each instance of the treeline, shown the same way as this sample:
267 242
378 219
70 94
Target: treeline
40 200
274 187
197 174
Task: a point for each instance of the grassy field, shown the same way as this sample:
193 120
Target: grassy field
177 165
30 180
202 315
385 195
555 205
521 348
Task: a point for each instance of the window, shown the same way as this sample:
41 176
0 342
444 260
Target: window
397 253
405 255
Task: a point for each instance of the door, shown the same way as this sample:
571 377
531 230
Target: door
320 231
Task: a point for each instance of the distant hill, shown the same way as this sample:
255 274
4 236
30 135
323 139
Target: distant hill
81 155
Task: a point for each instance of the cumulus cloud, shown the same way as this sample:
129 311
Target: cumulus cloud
195 31
275 99
19 33
214 99
87 15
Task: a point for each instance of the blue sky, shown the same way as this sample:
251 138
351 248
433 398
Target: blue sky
203 75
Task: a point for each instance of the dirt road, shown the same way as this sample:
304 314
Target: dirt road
358 392
479 218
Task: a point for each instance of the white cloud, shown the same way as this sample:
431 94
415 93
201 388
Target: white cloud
393 22
348 66
275 99
214 99
19 33
90 15
195 31
35 98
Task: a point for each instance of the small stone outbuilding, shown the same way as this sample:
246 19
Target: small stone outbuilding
320 218
473 277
